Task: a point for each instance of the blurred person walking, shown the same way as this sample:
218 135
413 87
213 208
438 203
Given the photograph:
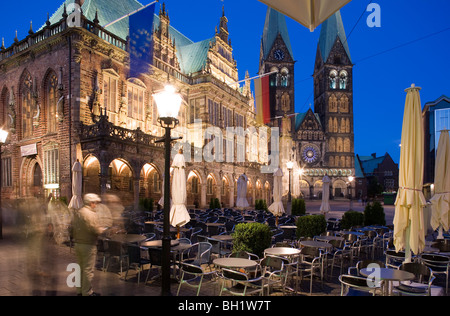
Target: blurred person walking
86 230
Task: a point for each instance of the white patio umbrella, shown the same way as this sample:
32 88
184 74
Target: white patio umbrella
309 13
440 202
325 206
277 208
241 201
409 230
179 215
76 202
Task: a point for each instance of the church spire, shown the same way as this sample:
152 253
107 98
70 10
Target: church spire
332 30
275 24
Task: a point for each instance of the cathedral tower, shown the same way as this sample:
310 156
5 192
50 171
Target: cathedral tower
333 96
276 55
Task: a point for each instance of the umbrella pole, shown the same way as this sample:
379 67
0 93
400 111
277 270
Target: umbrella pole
440 232
178 232
407 243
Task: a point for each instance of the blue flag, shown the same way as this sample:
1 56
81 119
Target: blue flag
141 42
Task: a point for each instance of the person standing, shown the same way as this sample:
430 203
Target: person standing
86 231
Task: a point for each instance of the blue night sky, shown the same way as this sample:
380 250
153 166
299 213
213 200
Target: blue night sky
411 46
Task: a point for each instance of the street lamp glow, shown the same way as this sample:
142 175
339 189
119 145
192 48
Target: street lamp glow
3 136
168 102
351 178
290 165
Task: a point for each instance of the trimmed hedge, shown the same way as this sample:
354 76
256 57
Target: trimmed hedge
252 237
311 225
351 219
374 214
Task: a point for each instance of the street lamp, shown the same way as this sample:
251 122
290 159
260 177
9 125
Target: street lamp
350 179
168 103
3 137
290 166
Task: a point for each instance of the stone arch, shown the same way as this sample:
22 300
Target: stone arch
28 187
194 188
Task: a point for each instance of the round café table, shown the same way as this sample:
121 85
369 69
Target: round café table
316 244
223 238
158 243
128 238
388 275
235 263
328 238
282 251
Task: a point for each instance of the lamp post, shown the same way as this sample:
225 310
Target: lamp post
168 103
290 166
3 136
350 179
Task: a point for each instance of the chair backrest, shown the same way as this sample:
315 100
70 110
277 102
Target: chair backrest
234 275
272 262
201 238
394 259
310 252
114 248
421 271
134 253
190 268
155 256
436 262
201 251
239 254
339 244
363 264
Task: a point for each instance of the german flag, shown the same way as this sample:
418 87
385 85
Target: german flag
262 96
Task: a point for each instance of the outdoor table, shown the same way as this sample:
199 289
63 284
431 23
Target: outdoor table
223 238
158 243
388 275
128 238
153 223
316 244
328 238
235 263
359 234
288 227
282 251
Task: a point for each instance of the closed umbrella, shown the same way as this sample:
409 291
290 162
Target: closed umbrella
309 13
179 215
161 200
241 201
277 208
77 187
409 230
325 206
440 202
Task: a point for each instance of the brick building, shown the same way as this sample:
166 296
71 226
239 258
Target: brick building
66 96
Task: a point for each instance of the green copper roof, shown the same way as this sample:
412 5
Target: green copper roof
108 11
192 56
331 30
275 24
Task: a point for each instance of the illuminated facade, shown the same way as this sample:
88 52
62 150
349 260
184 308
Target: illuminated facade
110 122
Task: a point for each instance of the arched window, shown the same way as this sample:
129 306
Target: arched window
343 78
273 81
4 102
52 102
333 79
27 106
284 77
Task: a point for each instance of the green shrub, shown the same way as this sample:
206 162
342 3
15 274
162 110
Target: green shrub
146 204
298 207
252 237
261 205
374 214
310 226
214 203
351 219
